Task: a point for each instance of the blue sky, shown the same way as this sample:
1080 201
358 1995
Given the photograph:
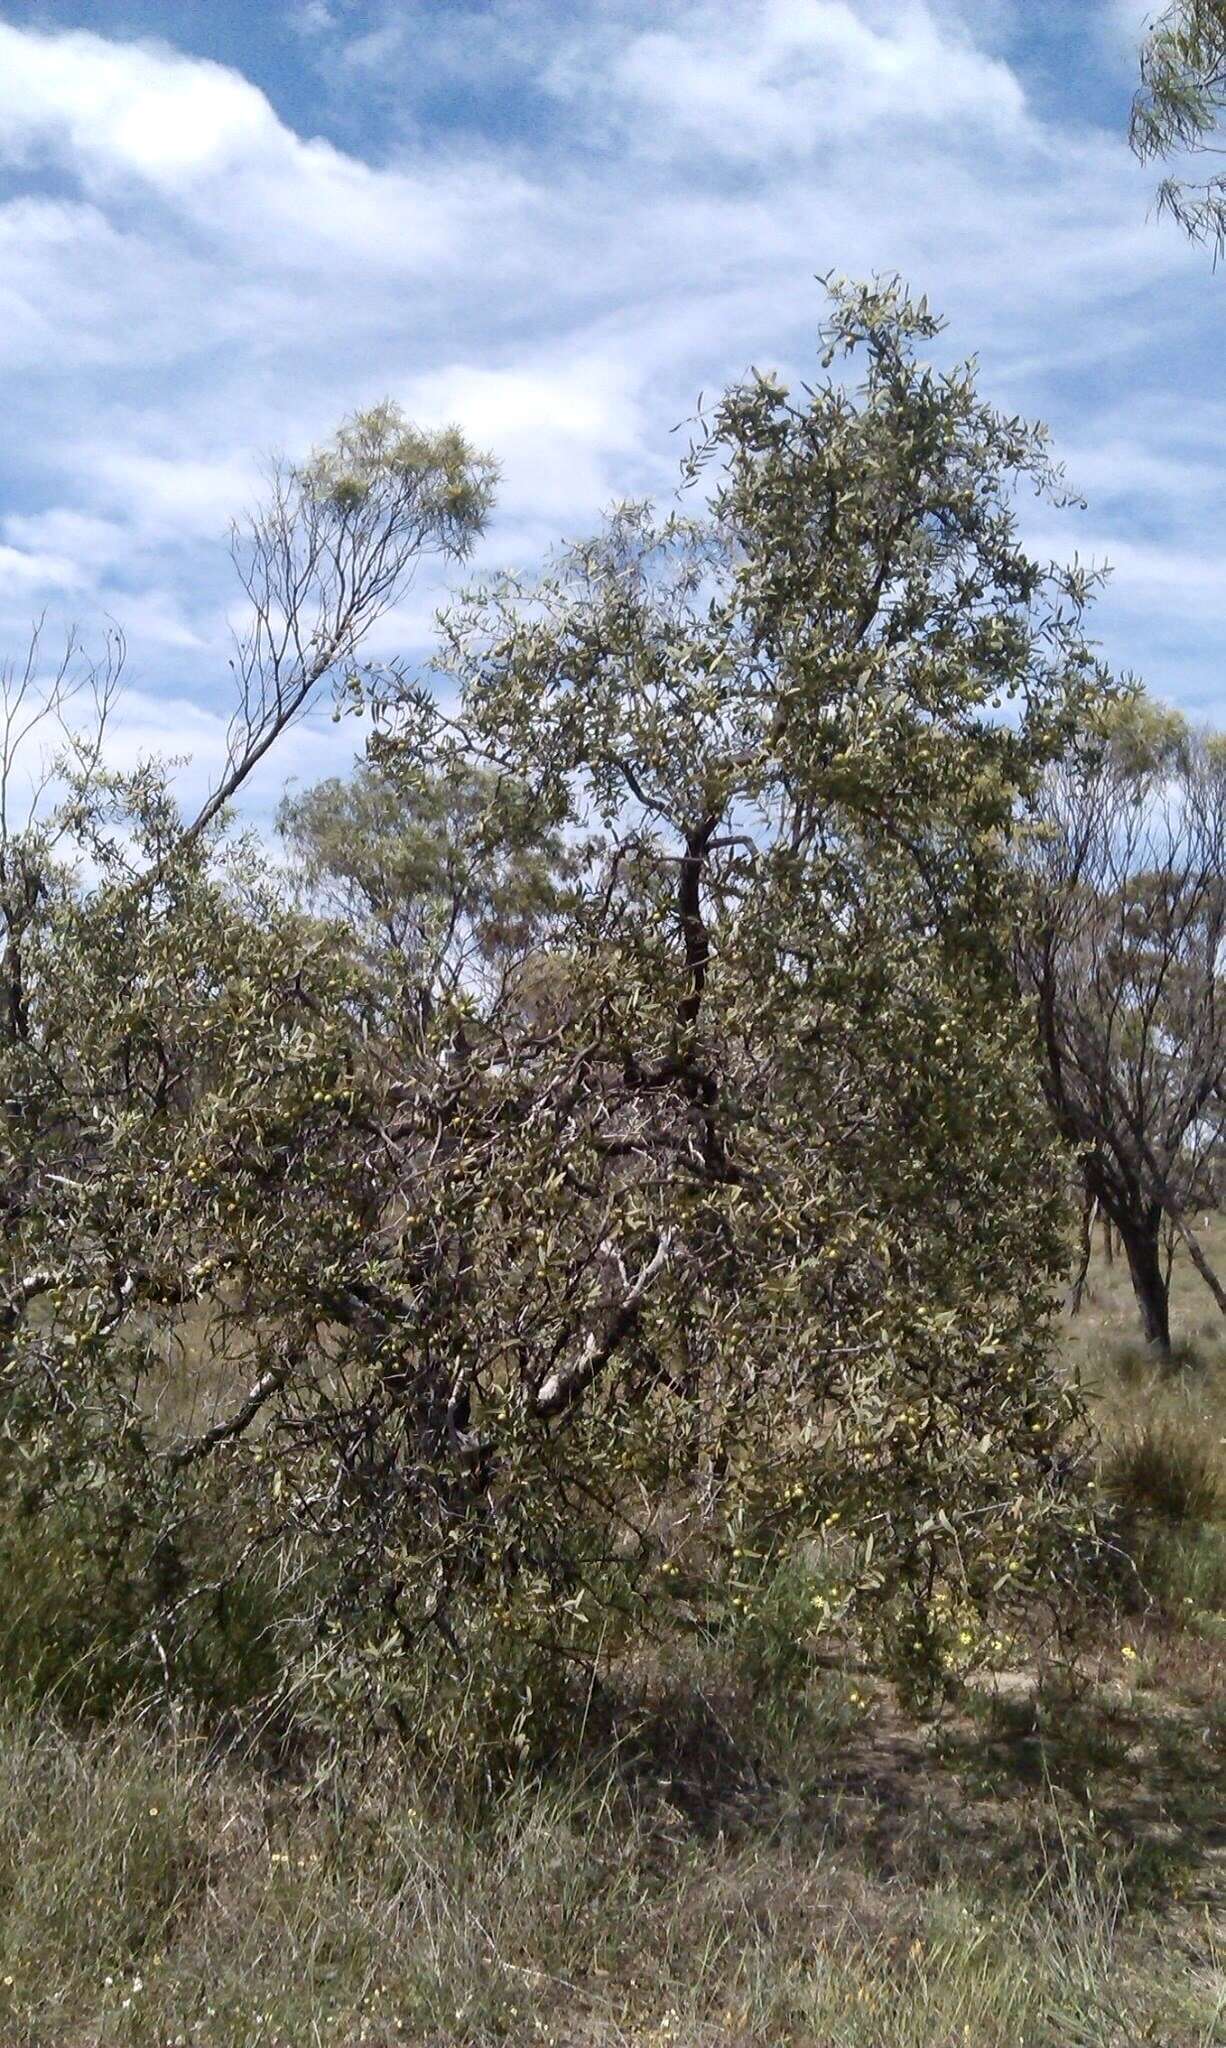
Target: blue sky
225 226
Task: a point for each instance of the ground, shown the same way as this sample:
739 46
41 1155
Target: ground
1042 1865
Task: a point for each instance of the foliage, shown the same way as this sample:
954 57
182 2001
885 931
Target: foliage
1179 107
111 1600
437 882
172 1037
333 547
695 1205
1039 1863
791 1234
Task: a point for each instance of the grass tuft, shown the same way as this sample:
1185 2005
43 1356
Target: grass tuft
1166 1469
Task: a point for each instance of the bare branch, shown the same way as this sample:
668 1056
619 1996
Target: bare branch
563 1388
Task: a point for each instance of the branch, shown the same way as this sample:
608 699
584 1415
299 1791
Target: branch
40 1282
562 1389
1171 1209
268 1384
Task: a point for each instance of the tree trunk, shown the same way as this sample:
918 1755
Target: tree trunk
1089 1210
1141 1242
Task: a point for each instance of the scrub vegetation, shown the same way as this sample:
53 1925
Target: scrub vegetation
570 1471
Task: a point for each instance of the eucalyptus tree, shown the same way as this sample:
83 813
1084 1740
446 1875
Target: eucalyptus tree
1124 960
436 880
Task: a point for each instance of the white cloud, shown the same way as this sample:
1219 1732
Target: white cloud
121 106
1120 468
558 426
91 544
126 117
792 73
186 282
312 18
171 495
1165 581
26 573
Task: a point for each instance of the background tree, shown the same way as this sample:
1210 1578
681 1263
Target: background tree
333 547
1124 961
441 881
1179 107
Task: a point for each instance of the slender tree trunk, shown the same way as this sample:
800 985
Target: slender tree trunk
1169 1240
1089 1210
1108 1241
1199 1260
1142 1247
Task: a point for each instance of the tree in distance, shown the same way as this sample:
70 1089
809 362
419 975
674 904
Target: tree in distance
439 881
1123 958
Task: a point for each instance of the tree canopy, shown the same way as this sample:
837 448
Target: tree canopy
694 1211
1178 108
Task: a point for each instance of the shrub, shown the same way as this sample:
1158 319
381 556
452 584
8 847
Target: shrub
698 1195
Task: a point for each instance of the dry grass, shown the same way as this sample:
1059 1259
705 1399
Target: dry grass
1163 1436
1106 1334
1042 1867
903 1890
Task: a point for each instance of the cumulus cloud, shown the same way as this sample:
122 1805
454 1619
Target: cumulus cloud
170 494
120 107
794 74
31 572
1163 581
562 426
130 119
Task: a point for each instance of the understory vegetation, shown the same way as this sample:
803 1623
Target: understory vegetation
751 1844
548 1491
